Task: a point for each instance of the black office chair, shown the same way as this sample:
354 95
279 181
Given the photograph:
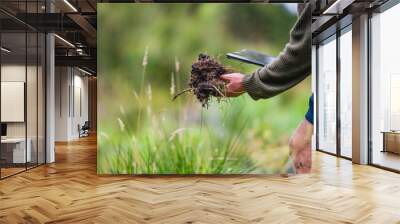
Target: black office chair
84 130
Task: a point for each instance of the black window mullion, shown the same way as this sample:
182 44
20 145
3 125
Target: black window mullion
37 90
45 94
316 98
338 115
26 87
369 100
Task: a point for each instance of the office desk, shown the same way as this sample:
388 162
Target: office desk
391 141
13 150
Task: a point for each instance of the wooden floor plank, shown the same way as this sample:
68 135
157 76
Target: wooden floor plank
69 191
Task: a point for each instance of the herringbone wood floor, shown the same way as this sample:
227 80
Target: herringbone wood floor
69 191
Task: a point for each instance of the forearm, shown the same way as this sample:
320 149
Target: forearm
291 66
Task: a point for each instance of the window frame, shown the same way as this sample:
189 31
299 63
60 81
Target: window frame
340 28
378 10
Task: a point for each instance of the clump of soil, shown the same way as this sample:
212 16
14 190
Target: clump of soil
205 79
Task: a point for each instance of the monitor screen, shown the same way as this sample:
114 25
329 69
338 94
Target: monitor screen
3 129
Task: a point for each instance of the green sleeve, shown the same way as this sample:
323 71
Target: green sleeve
291 66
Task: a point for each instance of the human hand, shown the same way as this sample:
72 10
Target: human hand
302 160
300 147
234 86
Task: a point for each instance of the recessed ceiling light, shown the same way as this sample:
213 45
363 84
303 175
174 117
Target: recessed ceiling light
337 7
84 71
65 41
70 5
5 50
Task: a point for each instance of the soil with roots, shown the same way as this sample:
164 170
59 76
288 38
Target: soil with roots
205 81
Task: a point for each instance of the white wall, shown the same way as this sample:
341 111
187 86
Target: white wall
33 126
80 110
15 73
62 81
71 94
12 73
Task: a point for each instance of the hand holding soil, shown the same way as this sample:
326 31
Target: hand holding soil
210 78
205 79
234 85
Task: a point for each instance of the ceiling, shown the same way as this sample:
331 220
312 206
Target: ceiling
73 21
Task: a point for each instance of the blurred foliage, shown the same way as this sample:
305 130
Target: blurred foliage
182 31
272 23
175 34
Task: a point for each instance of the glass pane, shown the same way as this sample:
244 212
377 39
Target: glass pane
14 153
327 96
31 88
346 94
31 97
41 98
385 84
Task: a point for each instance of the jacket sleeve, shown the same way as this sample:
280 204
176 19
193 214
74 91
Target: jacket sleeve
291 66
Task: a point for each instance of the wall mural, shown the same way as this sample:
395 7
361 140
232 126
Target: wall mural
164 102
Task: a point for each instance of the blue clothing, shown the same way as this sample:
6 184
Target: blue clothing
310 113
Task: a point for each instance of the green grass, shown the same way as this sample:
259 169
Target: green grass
184 151
160 143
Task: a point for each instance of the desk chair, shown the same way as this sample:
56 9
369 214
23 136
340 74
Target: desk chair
84 130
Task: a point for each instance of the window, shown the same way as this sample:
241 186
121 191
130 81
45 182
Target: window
22 88
345 43
385 89
326 70
15 150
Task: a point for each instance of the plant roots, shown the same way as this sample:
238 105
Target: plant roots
205 79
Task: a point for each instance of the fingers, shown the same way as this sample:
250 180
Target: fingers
233 84
230 91
303 170
302 161
302 167
226 77
230 76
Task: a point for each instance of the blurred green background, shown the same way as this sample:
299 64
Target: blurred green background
142 131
